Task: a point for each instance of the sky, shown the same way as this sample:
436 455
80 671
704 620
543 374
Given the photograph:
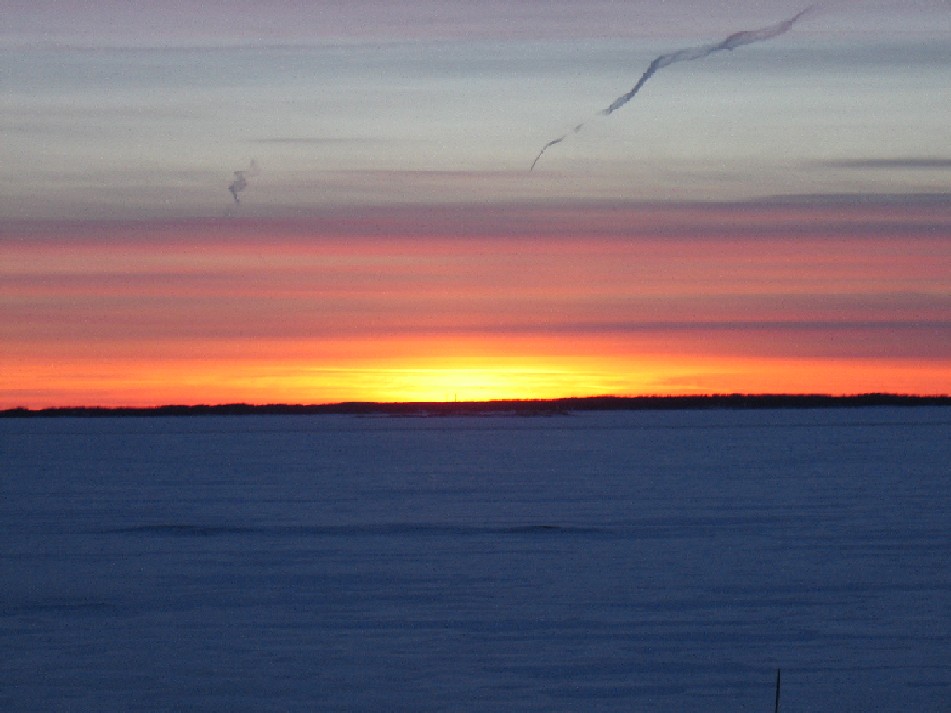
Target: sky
776 218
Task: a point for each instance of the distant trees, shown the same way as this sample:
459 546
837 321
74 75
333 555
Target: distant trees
540 407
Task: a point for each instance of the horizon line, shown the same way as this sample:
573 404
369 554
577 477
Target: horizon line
734 400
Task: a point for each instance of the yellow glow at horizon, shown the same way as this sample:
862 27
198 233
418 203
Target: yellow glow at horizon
95 382
465 382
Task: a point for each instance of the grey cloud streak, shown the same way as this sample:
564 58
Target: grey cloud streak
318 140
897 163
737 39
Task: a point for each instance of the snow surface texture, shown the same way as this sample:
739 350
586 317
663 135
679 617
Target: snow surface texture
596 562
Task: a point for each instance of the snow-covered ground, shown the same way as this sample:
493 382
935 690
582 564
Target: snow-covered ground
642 561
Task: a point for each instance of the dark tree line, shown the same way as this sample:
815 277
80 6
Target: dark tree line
515 407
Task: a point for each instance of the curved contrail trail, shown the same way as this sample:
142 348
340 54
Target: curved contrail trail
737 39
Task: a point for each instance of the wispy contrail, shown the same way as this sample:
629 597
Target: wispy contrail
240 181
737 39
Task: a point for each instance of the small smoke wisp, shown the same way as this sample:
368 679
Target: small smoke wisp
737 39
240 181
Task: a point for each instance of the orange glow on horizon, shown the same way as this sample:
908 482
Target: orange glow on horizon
484 378
547 304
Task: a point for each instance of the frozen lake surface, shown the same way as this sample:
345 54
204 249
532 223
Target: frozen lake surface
637 561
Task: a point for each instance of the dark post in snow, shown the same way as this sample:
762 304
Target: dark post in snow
777 690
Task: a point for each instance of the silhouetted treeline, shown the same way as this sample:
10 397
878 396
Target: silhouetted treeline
513 407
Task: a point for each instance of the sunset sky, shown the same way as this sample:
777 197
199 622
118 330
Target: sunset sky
772 219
